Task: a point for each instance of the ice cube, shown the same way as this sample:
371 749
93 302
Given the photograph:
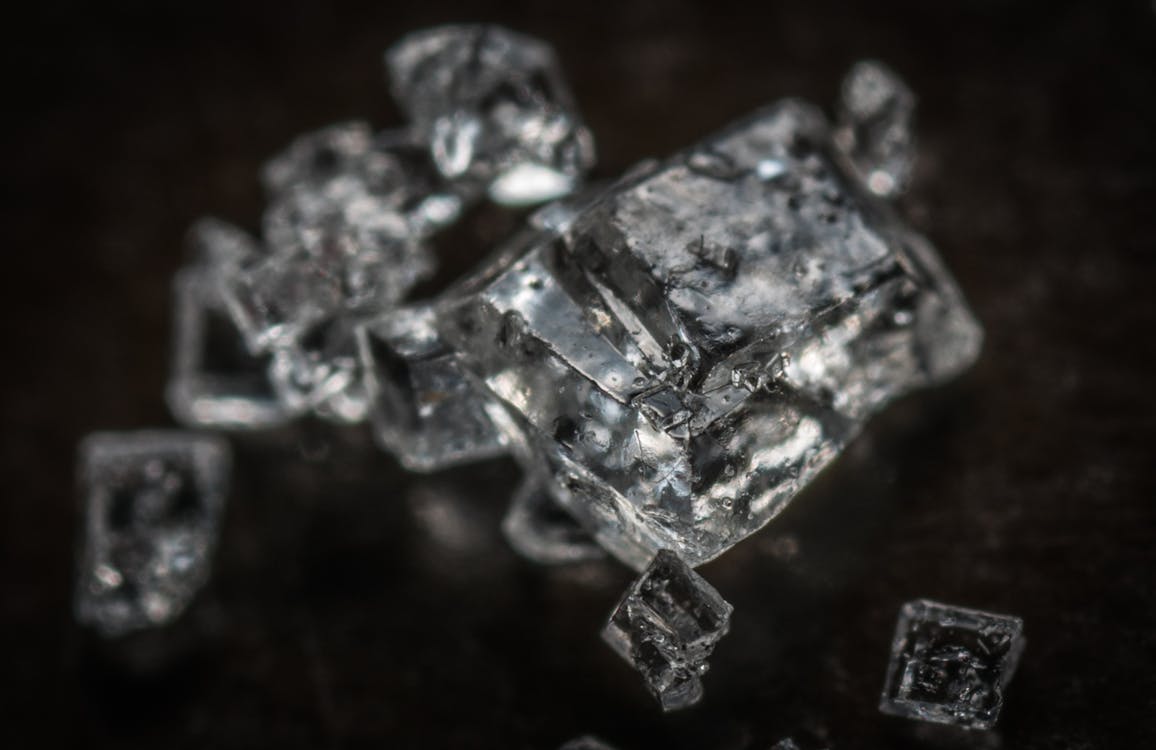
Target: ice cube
700 340
494 108
951 665
152 508
666 625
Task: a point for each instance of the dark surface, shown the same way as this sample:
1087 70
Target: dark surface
355 605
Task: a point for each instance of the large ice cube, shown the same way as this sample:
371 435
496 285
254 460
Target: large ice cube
667 624
704 338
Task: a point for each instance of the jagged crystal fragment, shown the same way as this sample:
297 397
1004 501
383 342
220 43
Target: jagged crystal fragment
875 128
698 342
494 108
951 665
152 507
344 229
423 407
215 380
667 624
541 530
321 373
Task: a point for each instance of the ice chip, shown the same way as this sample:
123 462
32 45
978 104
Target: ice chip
215 380
494 108
423 407
951 665
666 625
685 351
875 127
152 510
541 530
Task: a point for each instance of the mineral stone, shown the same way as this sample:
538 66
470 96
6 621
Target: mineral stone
667 624
215 380
698 342
494 108
152 507
423 408
875 127
951 665
541 530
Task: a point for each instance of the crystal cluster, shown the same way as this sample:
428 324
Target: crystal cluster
152 506
951 665
670 357
698 342
345 238
666 625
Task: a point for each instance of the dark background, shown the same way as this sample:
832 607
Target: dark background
355 605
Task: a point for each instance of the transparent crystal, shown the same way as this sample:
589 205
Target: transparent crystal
707 335
321 373
494 108
152 507
667 624
787 744
215 380
423 408
875 127
951 665
541 530
345 228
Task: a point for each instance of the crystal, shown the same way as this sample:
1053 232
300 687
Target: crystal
423 407
667 624
875 130
321 373
541 530
494 108
787 744
344 238
951 665
704 337
152 508
215 380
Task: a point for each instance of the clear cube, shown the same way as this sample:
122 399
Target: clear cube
423 406
951 665
152 509
494 108
666 625
215 380
875 127
707 335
